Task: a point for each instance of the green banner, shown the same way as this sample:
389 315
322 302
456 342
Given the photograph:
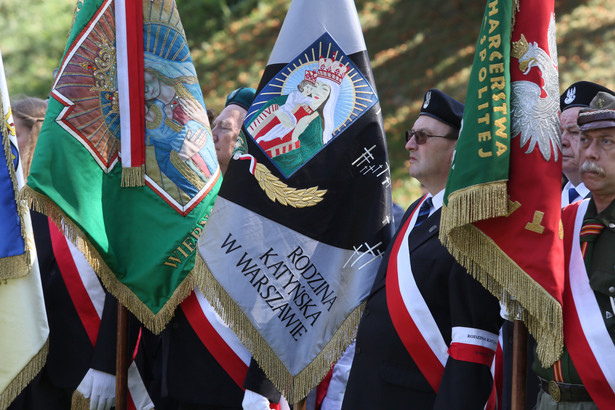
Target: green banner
482 154
140 240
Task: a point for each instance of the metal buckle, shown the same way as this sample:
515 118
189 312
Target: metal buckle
554 391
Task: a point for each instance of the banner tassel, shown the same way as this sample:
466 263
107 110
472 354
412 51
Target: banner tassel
294 388
154 322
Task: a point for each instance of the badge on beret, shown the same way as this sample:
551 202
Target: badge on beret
571 94
427 99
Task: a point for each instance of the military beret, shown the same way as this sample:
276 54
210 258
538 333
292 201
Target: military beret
600 114
242 97
580 94
443 108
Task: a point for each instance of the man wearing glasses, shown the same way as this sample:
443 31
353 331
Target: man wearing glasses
429 330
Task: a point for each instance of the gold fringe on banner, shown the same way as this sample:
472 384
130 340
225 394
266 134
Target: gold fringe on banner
294 388
154 322
498 273
79 401
14 267
24 377
133 176
17 266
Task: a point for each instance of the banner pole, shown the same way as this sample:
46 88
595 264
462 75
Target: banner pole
519 365
121 359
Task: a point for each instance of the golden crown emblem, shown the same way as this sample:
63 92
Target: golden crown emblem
519 48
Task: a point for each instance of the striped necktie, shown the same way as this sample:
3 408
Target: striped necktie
572 195
424 211
590 230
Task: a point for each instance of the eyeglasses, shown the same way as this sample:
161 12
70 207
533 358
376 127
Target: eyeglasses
421 137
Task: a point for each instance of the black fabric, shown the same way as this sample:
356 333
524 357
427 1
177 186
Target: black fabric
191 375
580 94
443 108
71 353
383 374
332 170
257 381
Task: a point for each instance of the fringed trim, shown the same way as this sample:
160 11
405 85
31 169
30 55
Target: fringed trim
294 388
14 267
514 11
133 177
500 275
488 201
79 401
24 377
154 322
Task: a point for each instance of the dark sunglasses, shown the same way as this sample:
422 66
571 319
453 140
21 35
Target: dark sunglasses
421 137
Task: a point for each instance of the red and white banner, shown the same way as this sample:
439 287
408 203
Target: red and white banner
130 79
585 334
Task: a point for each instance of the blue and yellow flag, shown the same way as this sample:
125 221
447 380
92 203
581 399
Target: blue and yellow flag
23 322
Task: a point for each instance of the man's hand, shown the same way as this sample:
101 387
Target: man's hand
99 388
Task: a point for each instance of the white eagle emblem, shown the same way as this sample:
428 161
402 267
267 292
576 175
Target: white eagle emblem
534 117
427 99
571 94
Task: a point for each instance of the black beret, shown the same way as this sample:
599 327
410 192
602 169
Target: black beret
242 97
580 94
600 114
443 108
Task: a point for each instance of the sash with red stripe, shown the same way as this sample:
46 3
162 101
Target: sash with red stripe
415 324
88 297
585 335
409 312
218 338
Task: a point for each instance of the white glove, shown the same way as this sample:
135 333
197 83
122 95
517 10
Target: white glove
254 401
99 388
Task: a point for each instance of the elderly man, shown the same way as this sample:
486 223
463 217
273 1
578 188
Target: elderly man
584 378
429 330
227 125
575 98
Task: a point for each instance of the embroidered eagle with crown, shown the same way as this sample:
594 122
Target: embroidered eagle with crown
302 109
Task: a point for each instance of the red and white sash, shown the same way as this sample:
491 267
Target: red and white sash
409 312
415 324
88 297
217 337
586 337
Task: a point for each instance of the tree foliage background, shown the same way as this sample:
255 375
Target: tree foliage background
413 45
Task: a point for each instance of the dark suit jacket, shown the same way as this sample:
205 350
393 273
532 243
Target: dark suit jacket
71 353
383 374
190 373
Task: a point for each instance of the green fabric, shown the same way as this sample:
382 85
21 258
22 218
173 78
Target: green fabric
602 267
146 245
483 150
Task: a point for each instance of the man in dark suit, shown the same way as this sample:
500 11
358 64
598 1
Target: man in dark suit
429 330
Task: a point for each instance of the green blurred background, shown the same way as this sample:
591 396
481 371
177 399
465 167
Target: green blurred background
414 45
